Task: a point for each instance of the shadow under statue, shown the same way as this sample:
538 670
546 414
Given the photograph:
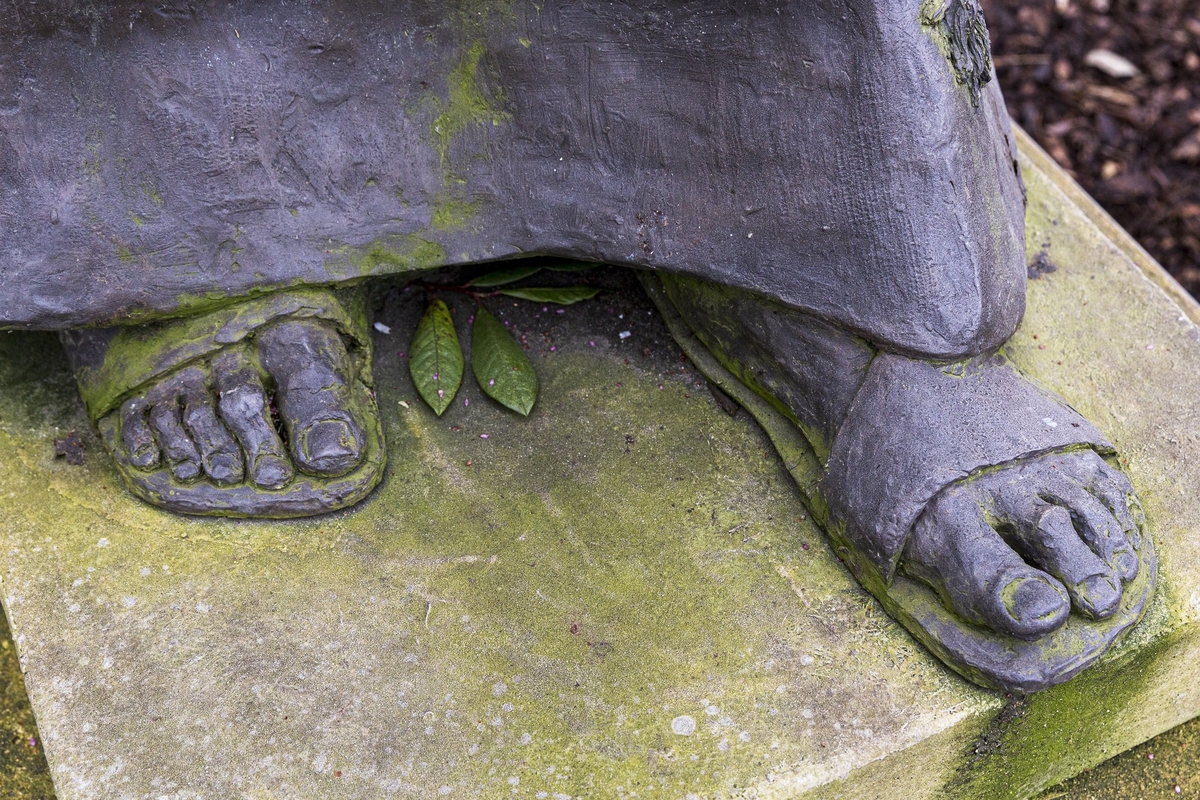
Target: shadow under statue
823 198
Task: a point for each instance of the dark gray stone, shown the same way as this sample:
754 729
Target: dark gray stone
152 159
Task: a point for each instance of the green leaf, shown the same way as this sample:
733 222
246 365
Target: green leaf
503 276
501 366
574 266
564 296
435 358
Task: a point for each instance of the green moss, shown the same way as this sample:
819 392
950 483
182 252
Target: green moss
465 106
152 194
386 255
24 774
958 29
1038 740
453 215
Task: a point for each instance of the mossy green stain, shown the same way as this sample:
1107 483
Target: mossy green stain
466 105
453 215
153 195
390 255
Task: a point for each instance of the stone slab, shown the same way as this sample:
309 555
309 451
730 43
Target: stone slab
620 596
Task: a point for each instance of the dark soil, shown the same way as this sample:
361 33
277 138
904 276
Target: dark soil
1132 142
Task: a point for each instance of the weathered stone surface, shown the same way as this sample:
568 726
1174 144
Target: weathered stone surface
620 596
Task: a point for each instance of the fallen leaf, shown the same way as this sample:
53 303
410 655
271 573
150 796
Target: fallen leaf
563 296
502 277
435 358
501 366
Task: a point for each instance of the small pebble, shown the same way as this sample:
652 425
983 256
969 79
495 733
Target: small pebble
379 326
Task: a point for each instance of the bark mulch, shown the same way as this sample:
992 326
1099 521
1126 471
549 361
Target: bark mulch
1111 89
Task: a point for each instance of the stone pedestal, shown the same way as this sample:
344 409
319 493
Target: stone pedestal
618 597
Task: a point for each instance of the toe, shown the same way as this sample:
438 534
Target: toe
1034 603
243 407
1098 527
1117 494
136 436
978 575
1053 544
1111 487
165 421
309 365
219 453
329 447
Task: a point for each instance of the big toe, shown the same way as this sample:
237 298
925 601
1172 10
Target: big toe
312 370
954 548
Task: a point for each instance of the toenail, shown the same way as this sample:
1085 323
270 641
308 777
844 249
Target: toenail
1100 595
224 469
144 457
330 445
272 472
186 471
1035 604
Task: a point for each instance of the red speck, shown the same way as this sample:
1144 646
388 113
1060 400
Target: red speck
401 354
1035 336
618 384
804 545
575 632
469 462
337 773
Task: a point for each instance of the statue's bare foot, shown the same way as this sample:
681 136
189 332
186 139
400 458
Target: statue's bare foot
1017 549
979 509
275 421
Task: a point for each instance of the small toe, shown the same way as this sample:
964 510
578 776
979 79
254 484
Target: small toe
243 407
1101 530
167 424
219 453
136 437
1053 544
1110 486
1117 494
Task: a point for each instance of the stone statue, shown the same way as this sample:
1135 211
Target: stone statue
827 193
